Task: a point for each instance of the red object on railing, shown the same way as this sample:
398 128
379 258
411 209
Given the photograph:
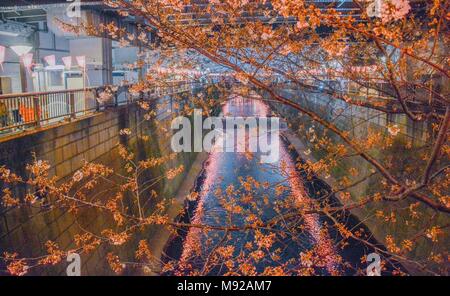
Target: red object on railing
28 114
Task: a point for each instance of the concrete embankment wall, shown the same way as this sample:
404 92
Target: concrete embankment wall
66 146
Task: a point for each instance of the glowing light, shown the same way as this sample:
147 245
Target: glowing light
21 50
67 62
81 61
50 60
27 60
324 245
194 235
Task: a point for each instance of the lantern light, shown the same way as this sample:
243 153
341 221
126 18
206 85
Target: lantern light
67 62
50 60
21 50
27 60
10 34
81 61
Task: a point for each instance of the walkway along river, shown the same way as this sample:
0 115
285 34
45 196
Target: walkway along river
262 191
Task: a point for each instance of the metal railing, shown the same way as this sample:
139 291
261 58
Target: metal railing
36 109
24 110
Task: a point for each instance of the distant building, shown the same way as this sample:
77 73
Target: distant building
50 63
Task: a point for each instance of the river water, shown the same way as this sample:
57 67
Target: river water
235 189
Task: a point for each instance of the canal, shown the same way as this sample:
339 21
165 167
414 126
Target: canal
236 189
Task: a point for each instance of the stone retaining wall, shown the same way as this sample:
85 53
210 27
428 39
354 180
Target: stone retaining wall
66 146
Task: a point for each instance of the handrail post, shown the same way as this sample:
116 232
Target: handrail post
73 114
36 109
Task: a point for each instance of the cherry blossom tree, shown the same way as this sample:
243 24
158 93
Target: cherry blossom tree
388 58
